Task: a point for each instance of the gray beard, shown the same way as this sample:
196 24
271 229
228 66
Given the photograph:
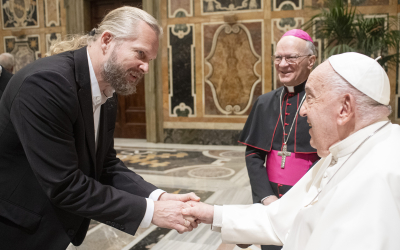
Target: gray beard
116 76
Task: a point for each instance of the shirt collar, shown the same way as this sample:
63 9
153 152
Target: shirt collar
296 89
348 145
98 98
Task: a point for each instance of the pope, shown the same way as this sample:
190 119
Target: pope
350 199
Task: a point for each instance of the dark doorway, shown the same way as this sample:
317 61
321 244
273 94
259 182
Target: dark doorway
131 118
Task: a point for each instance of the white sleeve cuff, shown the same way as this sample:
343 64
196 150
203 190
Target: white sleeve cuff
148 216
155 195
217 220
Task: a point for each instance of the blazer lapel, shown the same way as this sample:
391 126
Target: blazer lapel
82 77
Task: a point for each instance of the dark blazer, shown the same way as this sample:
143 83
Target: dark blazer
52 182
4 78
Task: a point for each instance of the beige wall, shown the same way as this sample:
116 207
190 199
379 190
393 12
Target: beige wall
227 52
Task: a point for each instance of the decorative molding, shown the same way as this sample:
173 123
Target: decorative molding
232 109
204 125
52 13
25 50
278 27
20 14
51 38
279 5
210 7
180 8
181 65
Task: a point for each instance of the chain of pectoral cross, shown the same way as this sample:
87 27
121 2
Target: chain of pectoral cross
284 153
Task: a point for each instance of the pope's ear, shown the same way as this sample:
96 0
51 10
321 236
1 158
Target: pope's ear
311 61
346 109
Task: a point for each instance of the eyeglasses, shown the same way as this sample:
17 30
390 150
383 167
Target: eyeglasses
289 59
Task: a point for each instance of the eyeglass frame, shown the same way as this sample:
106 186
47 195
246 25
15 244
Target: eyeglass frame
295 58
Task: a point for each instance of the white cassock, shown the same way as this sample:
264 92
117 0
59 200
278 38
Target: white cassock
358 207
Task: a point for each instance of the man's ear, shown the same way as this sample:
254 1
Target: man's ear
311 62
105 41
346 110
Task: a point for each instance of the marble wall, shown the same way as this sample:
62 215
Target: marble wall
29 28
216 60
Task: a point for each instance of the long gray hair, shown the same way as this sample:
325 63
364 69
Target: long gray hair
122 23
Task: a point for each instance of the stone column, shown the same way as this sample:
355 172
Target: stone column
153 86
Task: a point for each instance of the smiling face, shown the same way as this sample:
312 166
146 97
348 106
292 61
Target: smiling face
322 109
297 73
129 60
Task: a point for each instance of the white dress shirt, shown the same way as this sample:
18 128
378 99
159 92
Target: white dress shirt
98 99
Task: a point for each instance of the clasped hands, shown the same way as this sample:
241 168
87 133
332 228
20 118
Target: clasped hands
181 212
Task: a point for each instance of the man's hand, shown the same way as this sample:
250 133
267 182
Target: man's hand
203 212
168 214
269 200
179 197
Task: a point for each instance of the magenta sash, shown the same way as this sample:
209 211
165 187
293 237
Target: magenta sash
296 166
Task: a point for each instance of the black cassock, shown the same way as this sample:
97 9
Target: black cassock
263 136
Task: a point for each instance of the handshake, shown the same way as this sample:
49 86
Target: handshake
181 212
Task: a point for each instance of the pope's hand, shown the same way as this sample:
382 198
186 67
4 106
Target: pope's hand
168 214
203 212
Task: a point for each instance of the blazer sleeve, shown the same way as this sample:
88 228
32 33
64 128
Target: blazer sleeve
116 174
44 114
260 186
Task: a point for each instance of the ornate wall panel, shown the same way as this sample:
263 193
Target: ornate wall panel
180 8
278 27
25 50
52 15
215 6
181 49
51 38
19 14
233 67
278 5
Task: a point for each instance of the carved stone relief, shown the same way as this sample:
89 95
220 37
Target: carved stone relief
232 68
212 6
52 13
180 8
25 50
181 64
19 14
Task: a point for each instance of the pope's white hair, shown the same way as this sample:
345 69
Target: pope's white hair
367 109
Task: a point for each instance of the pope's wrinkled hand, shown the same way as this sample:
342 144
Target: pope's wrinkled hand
203 212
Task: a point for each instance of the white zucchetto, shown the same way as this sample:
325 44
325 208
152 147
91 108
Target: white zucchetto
364 73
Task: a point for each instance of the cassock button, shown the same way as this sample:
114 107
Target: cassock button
319 190
325 174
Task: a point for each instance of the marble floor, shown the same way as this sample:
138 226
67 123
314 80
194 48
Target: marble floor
217 174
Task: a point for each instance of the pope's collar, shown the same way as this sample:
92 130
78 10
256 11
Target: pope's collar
349 144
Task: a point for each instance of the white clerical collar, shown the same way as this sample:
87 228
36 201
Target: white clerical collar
290 89
348 145
97 97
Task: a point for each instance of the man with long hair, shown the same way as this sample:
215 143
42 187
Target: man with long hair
58 166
